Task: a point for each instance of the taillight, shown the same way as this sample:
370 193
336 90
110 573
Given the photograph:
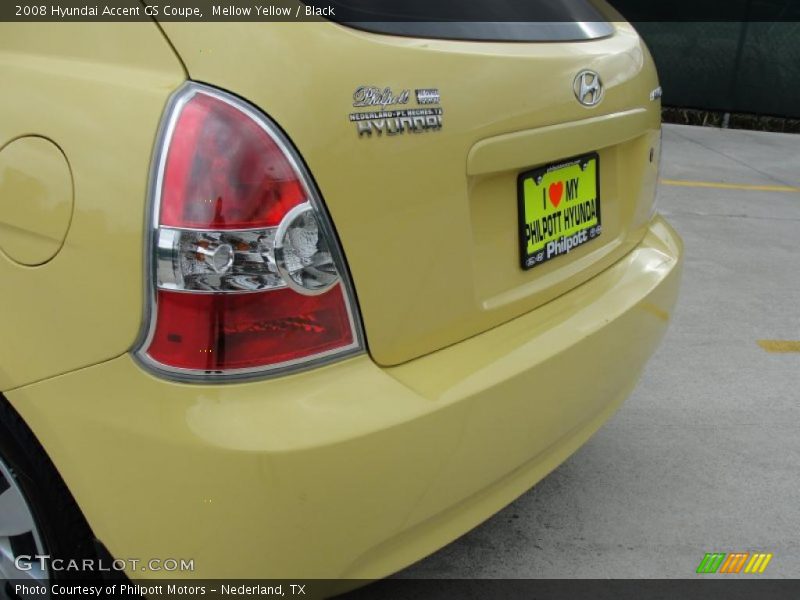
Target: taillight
245 272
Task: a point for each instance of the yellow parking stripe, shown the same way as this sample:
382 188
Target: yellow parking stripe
732 186
780 346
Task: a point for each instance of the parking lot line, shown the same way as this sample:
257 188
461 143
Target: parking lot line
780 346
732 186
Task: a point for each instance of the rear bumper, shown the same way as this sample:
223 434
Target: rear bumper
351 470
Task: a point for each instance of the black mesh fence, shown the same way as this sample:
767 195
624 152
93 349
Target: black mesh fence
748 67
735 56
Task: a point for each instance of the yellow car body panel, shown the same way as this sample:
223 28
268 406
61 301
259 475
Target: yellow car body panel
468 394
35 174
97 90
351 470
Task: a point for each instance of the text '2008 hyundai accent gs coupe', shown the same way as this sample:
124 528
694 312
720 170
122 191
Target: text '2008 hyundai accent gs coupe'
310 299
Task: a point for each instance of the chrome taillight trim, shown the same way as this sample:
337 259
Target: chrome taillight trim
280 260
167 247
166 129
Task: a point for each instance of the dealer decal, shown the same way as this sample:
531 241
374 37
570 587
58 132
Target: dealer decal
390 114
559 208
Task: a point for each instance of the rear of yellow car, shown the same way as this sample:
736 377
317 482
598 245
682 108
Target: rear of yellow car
390 281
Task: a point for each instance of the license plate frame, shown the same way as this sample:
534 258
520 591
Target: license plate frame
541 219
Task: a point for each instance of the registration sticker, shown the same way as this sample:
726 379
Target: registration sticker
559 209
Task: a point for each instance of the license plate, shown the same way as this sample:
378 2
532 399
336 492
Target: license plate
559 208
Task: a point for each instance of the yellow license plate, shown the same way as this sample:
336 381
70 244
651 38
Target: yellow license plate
559 209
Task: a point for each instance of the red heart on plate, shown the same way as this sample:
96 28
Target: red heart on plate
556 191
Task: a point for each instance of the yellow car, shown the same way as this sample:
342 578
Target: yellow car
306 300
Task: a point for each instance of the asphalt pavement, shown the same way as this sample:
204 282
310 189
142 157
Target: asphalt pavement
705 454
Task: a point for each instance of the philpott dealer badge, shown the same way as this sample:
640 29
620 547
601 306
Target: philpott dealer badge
388 118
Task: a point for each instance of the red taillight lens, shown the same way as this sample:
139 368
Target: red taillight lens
224 171
217 332
247 273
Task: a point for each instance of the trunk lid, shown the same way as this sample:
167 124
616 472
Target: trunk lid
429 220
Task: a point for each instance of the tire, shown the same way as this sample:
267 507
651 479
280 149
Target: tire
58 528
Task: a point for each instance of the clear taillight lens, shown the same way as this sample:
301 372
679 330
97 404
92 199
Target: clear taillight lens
246 274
